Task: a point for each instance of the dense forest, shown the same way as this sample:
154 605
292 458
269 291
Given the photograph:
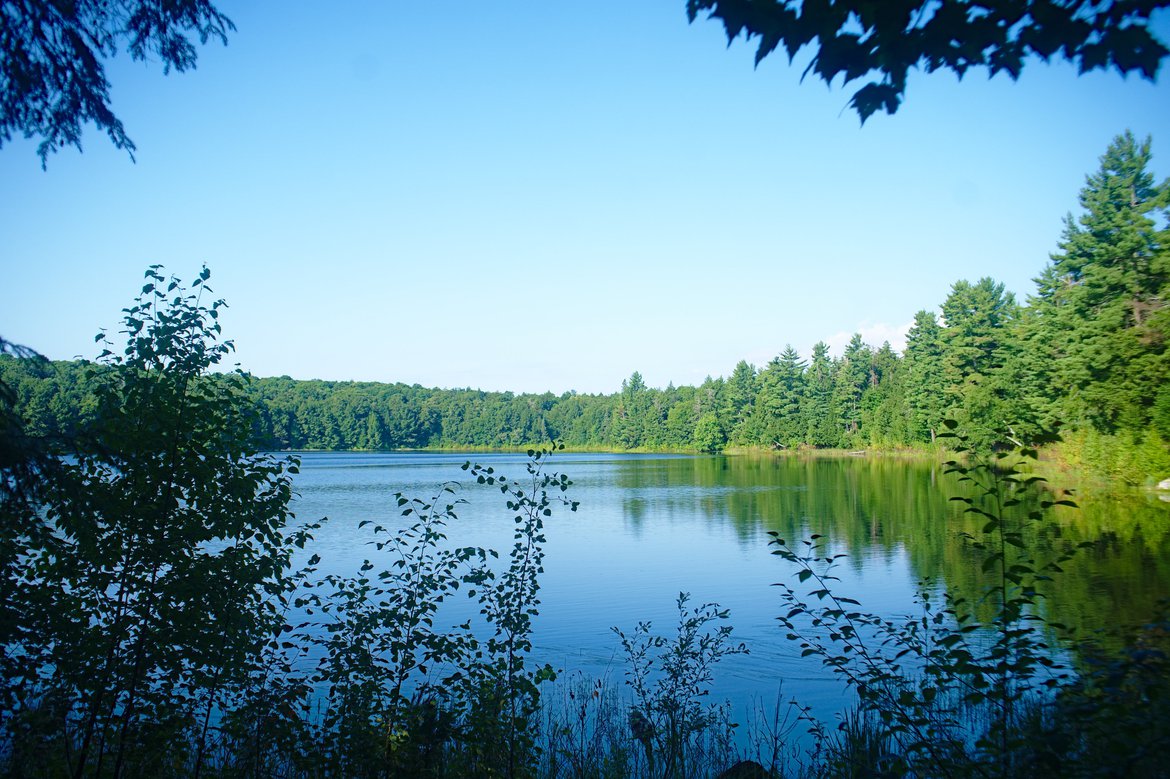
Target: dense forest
1086 354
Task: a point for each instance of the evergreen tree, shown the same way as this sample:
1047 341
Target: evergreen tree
779 405
1101 302
978 319
1025 380
629 416
975 315
885 415
822 424
738 403
925 385
851 377
709 398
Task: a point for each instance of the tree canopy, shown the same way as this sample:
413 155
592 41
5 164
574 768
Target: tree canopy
53 79
52 53
882 40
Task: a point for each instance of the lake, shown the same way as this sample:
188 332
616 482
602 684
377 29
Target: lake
652 526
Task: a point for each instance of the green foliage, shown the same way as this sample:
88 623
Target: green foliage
943 692
589 734
54 79
635 415
669 679
885 414
739 398
975 316
149 590
155 564
708 434
823 423
779 404
859 40
1102 323
378 642
585 734
852 375
924 366
1126 458
504 692
23 458
402 696
978 318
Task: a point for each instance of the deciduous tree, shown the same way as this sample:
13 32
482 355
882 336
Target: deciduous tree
158 569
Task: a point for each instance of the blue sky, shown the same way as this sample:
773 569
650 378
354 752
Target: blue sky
542 196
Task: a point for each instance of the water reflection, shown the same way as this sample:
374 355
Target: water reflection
652 526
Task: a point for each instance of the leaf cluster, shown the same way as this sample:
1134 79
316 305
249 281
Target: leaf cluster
670 678
945 691
146 567
883 41
52 61
400 689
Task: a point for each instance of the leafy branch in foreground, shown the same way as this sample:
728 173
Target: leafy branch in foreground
1019 660
945 692
885 40
149 593
505 691
155 562
386 669
53 79
669 679
401 694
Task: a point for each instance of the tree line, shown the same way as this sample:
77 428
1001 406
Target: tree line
1086 353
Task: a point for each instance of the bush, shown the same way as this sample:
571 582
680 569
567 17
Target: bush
152 566
942 692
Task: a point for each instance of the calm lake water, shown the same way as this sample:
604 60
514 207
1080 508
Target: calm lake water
652 526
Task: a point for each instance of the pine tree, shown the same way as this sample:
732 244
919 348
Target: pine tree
738 399
851 377
821 420
978 319
925 385
1101 302
630 412
781 391
885 415
975 316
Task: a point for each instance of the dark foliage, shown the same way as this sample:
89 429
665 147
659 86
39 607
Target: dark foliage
884 40
52 60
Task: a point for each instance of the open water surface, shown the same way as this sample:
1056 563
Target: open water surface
652 526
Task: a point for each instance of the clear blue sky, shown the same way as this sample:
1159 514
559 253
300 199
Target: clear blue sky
542 196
